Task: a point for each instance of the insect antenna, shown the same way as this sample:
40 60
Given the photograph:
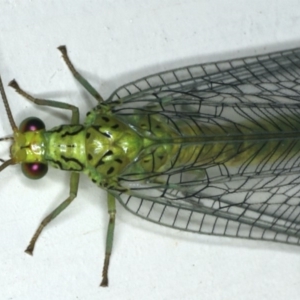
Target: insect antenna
6 138
7 107
8 162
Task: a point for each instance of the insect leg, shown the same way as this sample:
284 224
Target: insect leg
52 103
111 203
74 181
78 76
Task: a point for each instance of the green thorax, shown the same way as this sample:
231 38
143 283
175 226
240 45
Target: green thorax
66 147
111 145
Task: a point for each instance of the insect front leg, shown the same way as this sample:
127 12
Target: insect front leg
78 76
74 181
44 102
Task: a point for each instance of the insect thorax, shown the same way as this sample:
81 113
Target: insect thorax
111 145
66 147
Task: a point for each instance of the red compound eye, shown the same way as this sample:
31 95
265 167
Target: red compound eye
34 170
31 124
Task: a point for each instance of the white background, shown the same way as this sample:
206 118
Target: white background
113 42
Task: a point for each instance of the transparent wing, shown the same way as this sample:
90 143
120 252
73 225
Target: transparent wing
275 74
247 113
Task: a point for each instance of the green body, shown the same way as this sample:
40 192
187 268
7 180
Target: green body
108 146
186 154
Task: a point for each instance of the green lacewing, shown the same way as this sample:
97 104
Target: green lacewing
211 148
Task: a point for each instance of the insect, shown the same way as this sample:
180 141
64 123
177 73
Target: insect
211 148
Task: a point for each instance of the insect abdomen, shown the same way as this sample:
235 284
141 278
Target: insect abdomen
185 142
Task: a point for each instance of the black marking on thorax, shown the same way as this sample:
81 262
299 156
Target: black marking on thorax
73 132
